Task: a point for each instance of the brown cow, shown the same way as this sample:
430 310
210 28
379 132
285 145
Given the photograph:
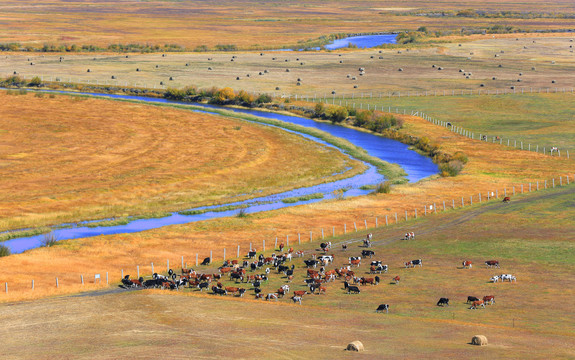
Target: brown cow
356 262
477 304
225 270
506 199
396 279
467 264
365 281
300 293
489 299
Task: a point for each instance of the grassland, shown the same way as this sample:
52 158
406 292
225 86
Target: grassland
381 78
248 23
68 159
530 319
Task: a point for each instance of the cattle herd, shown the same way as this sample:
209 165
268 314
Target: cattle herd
252 274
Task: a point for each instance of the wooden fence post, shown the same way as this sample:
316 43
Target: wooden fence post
396 218
57 285
183 259
108 281
453 203
6 287
197 256
479 197
211 258
33 283
365 222
405 215
310 236
138 271
355 226
345 228
153 267
376 221
224 254
443 205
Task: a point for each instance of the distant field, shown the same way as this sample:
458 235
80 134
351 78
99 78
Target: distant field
537 61
531 319
71 159
249 23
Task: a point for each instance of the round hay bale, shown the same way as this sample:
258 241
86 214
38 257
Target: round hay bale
433 65
261 54
261 73
161 83
157 66
333 92
113 77
301 63
298 79
137 69
163 55
277 87
482 85
479 340
355 86
494 78
552 81
341 61
286 60
237 77
348 75
171 78
127 56
518 80
15 73
355 346
297 59
298 83
231 59
400 69
513 88
500 65
440 68
371 57
520 74
265 71
287 70
274 58
87 71
382 51
187 64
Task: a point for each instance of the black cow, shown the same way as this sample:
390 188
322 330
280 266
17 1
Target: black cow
366 253
152 283
253 266
236 276
257 290
256 284
251 254
417 262
443 301
203 286
344 247
206 261
282 268
382 308
310 263
471 299
353 289
377 280
218 291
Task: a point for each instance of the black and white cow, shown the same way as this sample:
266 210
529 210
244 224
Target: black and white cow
382 308
366 253
443 301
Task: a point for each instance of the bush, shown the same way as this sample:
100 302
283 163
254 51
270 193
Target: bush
49 240
264 99
361 118
35 82
244 98
337 114
451 168
319 110
460 156
383 188
4 250
39 95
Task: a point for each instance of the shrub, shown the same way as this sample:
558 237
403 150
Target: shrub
242 213
319 110
383 188
244 98
35 82
460 156
451 168
22 92
264 99
39 95
49 239
361 118
4 250
337 114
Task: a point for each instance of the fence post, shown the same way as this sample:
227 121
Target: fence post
167 264
6 287
522 188
264 244
496 194
355 226
376 221
443 205
545 184
251 247
56 283
425 210
287 241
107 280
453 203
415 214
153 265
33 283
183 258
345 228
396 218
386 222
405 215
462 204
471 200
365 222
479 197
298 238
514 191
197 256
211 256
276 245
224 254
434 208
310 236
122 273
322 234
553 182
138 271
333 231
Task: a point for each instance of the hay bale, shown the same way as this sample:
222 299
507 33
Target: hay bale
137 69
355 346
298 83
552 81
265 71
33 64
277 87
479 340
355 86
171 78
494 78
371 57
400 69
433 65
301 63
297 59
157 66
163 55
287 70
382 51
341 61
113 77
127 56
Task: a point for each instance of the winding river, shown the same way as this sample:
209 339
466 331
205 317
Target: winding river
415 165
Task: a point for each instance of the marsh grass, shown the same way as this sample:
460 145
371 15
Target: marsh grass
383 188
49 240
4 250
296 199
23 233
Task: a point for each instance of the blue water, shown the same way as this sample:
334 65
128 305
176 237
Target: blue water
364 41
416 166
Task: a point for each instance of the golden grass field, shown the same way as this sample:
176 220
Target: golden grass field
531 319
245 23
491 167
67 159
539 58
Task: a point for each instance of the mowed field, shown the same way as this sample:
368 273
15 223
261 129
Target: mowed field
247 23
66 159
531 318
524 61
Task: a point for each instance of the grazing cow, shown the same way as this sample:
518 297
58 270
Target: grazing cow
299 253
366 253
285 288
409 236
377 269
225 270
251 254
443 301
325 246
495 278
259 296
492 263
299 293
282 268
417 262
467 264
257 290
296 299
554 148
326 258
477 304
282 247
489 299
232 290
356 262
310 263
396 279
353 289
344 247
280 292
506 199
365 281
507 277
203 286
471 299
206 261
382 308
181 283
408 264
236 276
217 291
290 250
377 280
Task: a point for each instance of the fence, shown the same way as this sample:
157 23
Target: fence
319 234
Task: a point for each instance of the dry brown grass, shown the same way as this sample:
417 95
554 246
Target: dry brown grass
71 159
491 167
244 23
